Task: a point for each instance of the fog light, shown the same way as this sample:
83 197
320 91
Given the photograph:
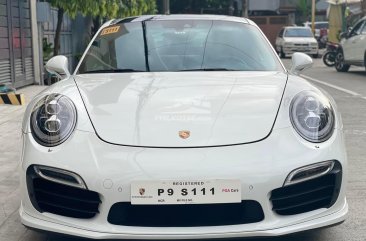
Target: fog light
309 172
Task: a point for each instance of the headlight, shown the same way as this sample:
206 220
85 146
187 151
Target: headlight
53 119
312 116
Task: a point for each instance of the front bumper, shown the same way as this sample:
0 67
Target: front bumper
306 50
328 220
261 167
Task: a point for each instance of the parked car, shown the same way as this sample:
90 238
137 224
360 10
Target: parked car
296 39
352 49
182 127
318 27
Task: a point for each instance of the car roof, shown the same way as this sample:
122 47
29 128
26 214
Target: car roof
183 17
296 27
316 22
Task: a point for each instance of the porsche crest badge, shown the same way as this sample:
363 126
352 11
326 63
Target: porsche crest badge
184 134
142 191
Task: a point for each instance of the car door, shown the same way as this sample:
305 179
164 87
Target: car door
360 44
279 40
350 47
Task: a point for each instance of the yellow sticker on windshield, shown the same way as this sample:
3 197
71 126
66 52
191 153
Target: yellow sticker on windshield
110 30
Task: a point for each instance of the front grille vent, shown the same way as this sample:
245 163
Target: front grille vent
60 199
310 195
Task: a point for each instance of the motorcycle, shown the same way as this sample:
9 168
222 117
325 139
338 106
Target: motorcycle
330 55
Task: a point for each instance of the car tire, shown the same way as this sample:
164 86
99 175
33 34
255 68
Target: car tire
340 65
282 54
328 59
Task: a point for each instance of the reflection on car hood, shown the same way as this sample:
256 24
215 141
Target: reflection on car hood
212 108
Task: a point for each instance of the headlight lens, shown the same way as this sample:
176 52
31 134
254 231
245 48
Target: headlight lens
53 119
312 116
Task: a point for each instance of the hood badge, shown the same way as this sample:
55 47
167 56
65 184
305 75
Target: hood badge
142 191
184 134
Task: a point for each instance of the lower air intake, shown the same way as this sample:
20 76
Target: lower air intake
320 192
60 199
189 215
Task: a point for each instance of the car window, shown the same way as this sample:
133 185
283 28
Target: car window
280 34
321 25
357 29
298 32
116 50
364 28
179 45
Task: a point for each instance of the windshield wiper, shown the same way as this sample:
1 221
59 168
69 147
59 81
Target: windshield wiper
113 71
209 69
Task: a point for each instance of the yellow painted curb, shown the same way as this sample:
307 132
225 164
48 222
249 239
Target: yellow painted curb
12 99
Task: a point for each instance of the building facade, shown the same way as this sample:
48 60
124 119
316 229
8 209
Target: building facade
16 43
27 32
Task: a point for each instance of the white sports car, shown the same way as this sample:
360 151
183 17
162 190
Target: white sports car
182 127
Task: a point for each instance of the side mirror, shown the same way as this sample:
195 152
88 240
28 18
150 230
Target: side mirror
300 62
349 32
58 65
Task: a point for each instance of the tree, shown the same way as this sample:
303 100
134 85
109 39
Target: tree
98 8
199 6
304 8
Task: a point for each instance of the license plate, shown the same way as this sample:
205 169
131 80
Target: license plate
185 192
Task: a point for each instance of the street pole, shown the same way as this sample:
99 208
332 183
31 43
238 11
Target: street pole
245 4
37 53
313 16
364 7
166 6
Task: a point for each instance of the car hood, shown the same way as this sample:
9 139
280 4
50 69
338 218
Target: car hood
300 40
152 109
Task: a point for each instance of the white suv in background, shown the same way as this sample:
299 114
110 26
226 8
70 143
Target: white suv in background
353 47
296 39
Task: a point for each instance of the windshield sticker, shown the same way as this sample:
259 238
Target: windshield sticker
110 30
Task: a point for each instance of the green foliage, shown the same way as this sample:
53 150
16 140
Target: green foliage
304 8
105 8
47 49
136 7
195 6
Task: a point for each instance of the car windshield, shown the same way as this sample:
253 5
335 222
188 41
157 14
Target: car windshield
179 45
318 25
321 25
298 32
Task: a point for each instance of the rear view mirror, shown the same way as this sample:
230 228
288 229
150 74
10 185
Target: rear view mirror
58 65
300 62
343 35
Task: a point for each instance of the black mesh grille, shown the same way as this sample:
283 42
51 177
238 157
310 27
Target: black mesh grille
47 196
185 215
321 192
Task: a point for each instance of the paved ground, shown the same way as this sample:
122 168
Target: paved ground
349 91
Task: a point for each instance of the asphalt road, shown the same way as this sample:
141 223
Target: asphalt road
349 91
